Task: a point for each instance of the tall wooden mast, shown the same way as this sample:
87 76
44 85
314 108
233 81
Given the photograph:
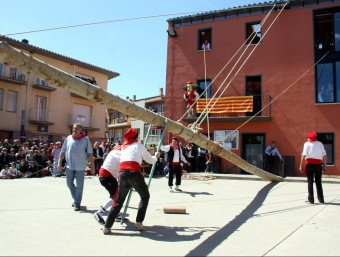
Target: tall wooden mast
31 65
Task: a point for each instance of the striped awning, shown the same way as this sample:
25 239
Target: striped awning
226 104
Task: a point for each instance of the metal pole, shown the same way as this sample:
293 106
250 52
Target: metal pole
158 148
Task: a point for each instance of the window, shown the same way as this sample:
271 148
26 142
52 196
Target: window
327 40
202 85
324 32
12 73
204 39
41 108
254 88
1 69
328 141
86 78
161 110
154 134
12 97
325 85
253 33
41 82
1 98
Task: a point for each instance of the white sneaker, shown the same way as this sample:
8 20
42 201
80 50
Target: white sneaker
139 226
99 218
171 189
177 189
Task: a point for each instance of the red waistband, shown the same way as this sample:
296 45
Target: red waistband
313 161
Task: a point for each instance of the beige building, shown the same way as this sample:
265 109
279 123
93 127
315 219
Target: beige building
119 123
34 109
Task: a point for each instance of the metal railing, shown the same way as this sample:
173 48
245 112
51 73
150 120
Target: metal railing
258 104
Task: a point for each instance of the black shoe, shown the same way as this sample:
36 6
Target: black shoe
76 208
321 200
73 205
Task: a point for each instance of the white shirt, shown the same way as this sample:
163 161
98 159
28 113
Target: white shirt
112 162
314 150
137 152
166 148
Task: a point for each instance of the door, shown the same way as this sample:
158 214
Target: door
252 149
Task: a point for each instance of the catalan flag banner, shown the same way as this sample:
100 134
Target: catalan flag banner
225 104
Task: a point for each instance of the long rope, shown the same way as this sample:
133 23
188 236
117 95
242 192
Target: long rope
251 38
206 95
274 99
264 35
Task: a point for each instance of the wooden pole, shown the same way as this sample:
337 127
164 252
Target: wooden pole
29 64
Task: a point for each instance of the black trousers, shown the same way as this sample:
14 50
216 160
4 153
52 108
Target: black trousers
269 163
175 169
126 181
110 184
314 171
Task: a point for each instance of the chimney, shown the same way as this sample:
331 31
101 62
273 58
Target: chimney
161 92
134 98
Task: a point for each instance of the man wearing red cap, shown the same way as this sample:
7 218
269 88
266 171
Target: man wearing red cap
313 162
130 176
174 159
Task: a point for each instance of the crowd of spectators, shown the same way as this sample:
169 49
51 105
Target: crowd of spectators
35 158
28 159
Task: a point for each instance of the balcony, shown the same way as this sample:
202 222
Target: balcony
259 102
120 122
45 87
41 118
86 122
12 75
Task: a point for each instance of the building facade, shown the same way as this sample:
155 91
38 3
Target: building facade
119 123
33 109
285 55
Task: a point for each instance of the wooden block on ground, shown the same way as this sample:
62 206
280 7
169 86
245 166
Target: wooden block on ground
174 210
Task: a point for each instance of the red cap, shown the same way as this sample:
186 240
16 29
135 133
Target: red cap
312 136
131 134
175 138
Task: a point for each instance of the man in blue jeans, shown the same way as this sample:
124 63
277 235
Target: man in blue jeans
130 176
78 152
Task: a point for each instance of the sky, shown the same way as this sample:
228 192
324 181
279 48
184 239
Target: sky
130 37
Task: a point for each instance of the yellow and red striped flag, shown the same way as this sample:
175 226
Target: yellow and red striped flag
226 104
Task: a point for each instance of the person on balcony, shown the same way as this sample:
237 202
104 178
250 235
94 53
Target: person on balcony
190 97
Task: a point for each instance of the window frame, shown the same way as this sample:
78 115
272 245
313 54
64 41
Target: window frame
202 35
322 79
201 82
328 141
249 26
12 97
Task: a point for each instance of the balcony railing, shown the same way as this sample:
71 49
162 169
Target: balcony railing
43 118
87 122
259 102
120 120
12 75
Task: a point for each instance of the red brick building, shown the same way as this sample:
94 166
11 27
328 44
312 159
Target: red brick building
284 53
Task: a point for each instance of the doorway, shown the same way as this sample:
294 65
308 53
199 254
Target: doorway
253 88
253 149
